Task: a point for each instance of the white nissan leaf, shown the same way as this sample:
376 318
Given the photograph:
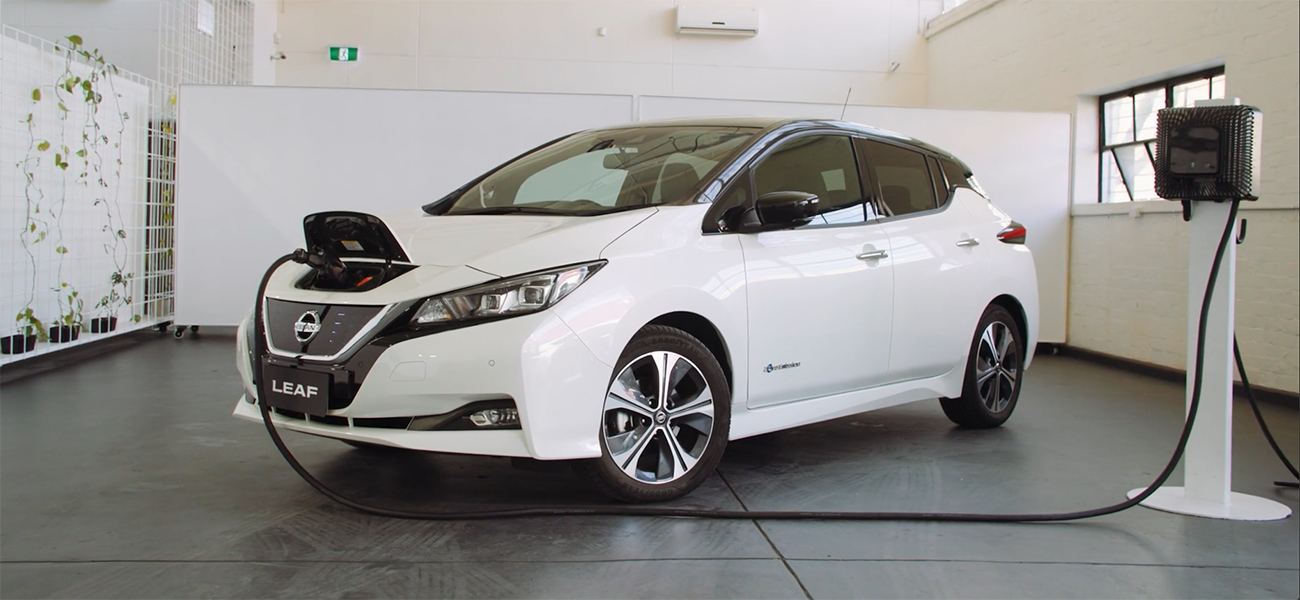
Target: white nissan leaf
631 298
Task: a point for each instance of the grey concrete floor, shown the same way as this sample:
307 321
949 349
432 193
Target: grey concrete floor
124 476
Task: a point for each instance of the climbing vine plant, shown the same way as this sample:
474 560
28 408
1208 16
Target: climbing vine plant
36 225
84 155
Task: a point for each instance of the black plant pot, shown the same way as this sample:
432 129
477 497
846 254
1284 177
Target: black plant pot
17 344
103 324
64 333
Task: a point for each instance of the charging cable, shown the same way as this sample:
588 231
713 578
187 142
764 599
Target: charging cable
658 511
1259 418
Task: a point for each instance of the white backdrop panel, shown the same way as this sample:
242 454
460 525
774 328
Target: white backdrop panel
253 161
1021 159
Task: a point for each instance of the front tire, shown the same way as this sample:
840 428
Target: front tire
993 373
665 419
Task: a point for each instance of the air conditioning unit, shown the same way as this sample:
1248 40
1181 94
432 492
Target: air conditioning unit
717 20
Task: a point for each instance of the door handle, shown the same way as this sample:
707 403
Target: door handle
968 242
873 255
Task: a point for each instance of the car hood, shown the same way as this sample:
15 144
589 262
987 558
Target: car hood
504 245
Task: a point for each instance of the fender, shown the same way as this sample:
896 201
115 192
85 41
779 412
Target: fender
708 279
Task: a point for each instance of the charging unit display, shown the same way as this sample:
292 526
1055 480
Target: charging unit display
1230 142
1207 157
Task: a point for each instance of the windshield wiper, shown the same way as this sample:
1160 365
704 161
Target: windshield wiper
535 210
507 210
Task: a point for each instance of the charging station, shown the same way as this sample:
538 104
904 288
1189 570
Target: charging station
1208 158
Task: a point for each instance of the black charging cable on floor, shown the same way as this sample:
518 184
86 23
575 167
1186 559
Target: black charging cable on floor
658 511
1259 418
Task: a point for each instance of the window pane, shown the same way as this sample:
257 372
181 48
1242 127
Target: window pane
905 184
821 165
1145 106
1112 184
606 168
1117 115
583 177
1135 165
1219 86
1188 93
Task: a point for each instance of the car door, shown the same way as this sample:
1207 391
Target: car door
820 297
939 269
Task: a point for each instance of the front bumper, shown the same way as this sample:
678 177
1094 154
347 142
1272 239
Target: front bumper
508 442
536 361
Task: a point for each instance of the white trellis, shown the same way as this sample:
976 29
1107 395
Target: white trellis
85 195
206 41
87 188
200 41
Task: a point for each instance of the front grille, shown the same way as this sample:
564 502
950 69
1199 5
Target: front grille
339 325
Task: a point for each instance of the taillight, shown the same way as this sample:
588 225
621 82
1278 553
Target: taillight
1012 234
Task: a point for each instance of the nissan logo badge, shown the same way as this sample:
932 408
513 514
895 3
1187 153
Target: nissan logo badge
307 326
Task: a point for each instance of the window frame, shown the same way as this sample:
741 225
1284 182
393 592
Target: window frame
1131 93
878 197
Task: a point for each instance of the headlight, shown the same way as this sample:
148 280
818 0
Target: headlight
521 295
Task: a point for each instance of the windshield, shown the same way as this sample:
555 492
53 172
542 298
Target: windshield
602 171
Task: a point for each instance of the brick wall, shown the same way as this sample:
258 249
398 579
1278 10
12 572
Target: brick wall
1128 263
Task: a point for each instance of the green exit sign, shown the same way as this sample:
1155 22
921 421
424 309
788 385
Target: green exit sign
343 54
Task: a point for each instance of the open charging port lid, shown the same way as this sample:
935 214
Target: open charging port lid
353 235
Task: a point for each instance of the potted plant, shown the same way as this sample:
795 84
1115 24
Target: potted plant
30 329
110 303
70 322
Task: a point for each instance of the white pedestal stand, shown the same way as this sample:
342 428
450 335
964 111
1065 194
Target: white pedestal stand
1207 463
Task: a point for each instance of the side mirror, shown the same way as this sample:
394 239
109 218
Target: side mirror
784 210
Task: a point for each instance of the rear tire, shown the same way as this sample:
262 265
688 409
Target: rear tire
993 373
660 440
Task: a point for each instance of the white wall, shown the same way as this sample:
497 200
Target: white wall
1128 273
265 15
125 31
809 51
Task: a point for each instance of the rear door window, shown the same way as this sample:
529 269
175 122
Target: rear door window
903 176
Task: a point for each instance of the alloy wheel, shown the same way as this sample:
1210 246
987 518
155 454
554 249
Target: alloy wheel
997 366
658 417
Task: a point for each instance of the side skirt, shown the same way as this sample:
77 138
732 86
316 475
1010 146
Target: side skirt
750 422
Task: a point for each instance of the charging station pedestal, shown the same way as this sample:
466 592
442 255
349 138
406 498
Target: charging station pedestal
1207 463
